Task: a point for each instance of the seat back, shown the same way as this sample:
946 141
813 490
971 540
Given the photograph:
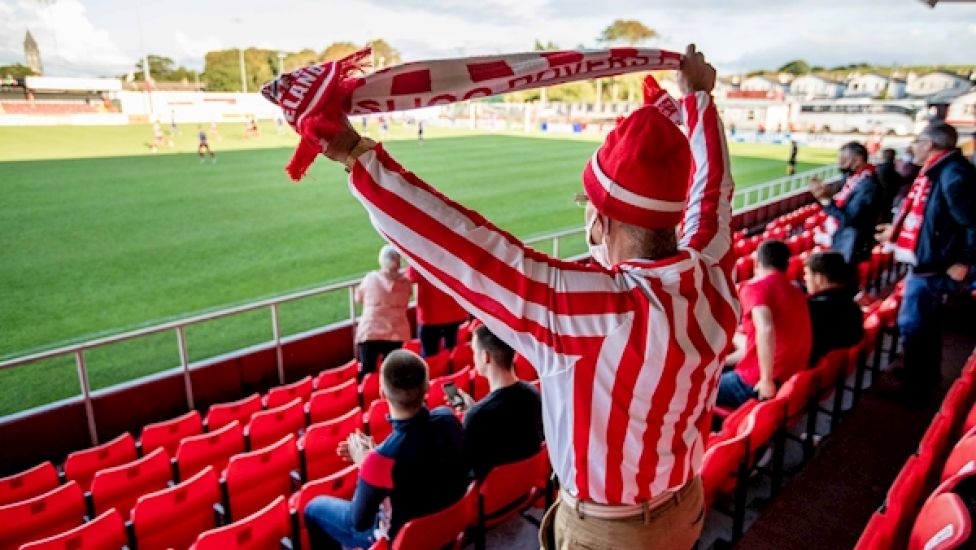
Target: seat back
81 465
903 497
441 528
210 449
341 484
329 403
320 441
173 517
105 531
439 364
435 395
261 530
333 377
29 483
281 395
935 440
798 391
509 488
369 389
721 463
480 387
168 434
413 345
223 414
376 422
942 524
256 478
462 356
47 514
120 486
767 418
267 427
524 370
962 457
829 368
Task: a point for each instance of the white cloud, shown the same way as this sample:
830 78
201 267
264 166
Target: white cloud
193 48
69 42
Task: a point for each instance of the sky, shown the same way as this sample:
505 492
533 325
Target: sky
106 37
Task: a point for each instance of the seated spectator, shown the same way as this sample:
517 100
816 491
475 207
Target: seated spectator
438 316
505 426
383 325
775 341
835 318
419 469
891 183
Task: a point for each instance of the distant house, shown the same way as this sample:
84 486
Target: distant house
812 86
759 83
938 83
872 85
896 88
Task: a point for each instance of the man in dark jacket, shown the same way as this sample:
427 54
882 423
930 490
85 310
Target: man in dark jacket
853 210
890 181
835 318
935 232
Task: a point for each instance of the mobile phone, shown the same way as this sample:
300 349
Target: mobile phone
453 396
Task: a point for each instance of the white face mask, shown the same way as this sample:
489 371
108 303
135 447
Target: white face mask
599 252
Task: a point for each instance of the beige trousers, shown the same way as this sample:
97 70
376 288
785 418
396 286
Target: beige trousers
674 525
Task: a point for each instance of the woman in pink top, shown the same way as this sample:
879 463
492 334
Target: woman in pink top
383 326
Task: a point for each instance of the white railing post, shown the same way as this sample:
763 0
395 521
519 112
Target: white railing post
352 316
555 247
185 363
276 333
86 395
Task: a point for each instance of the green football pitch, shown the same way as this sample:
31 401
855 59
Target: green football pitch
98 235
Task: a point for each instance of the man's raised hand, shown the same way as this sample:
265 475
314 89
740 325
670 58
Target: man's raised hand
695 74
339 146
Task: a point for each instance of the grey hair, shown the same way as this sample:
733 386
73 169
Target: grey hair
389 258
943 136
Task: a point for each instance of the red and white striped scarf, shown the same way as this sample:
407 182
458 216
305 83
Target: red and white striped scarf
314 98
830 225
908 223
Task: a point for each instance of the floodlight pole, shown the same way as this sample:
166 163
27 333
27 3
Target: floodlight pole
281 63
240 55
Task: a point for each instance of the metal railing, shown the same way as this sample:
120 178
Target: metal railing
752 197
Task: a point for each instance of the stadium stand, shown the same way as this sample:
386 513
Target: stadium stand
105 531
261 487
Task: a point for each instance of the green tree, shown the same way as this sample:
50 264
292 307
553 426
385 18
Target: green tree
163 69
384 54
16 70
301 58
627 31
338 50
795 67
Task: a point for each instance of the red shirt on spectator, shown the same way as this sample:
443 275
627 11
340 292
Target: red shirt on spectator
791 318
433 306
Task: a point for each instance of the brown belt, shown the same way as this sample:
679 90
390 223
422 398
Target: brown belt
596 510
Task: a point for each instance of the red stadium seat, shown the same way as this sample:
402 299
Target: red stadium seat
413 345
794 269
524 370
435 395
333 377
438 365
480 387
223 414
903 497
281 395
465 331
260 531
81 465
961 459
329 403
369 389
41 516
935 440
341 484
256 478
744 268
169 433
440 529
509 489
104 532
173 517
267 427
319 443
877 534
29 483
462 356
798 391
210 449
723 465
120 486
968 423
943 523
376 422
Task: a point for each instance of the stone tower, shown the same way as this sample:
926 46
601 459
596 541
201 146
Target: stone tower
32 54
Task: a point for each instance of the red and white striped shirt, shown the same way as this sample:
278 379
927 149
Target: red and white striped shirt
629 357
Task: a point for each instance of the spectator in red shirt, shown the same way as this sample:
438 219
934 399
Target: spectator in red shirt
776 329
438 316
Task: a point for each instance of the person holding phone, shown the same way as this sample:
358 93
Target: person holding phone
505 426
419 469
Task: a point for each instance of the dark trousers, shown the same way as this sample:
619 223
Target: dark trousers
733 391
430 337
921 329
370 351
